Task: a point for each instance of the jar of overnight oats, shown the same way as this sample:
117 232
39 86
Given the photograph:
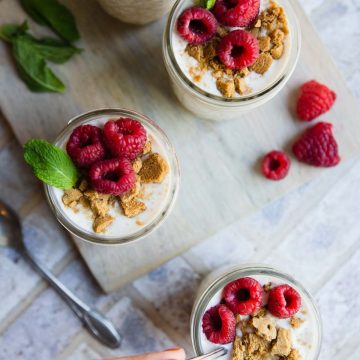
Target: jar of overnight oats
137 12
289 337
145 210
194 80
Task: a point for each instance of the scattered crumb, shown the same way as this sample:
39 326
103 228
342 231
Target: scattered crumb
282 344
296 322
262 64
264 327
101 223
260 313
147 147
243 72
241 87
154 169
221 31
139 222
267 287
294 355
84 185
133 208
226 87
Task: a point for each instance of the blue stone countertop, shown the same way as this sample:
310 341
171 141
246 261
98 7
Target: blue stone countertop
153 312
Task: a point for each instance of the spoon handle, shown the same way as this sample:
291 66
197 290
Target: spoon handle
212 355
97 324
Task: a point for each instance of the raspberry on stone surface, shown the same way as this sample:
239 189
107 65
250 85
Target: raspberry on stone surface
275 165
114 177
219 325
317 146
315 99
86 145
236 13
197 25
284 301
125 137
238 49
244 296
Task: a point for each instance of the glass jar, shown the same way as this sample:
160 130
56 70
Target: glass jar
217 280
137 12
63 215
217 107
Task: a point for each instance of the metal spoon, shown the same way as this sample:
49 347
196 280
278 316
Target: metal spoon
97 324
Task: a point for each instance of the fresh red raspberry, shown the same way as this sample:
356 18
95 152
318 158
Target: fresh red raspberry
275 165
219 325
113 177
238 49
86 145
315 99
236 12
125 137
317 146
244 296
197 25
284 301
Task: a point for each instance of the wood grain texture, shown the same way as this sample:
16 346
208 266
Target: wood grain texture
122 67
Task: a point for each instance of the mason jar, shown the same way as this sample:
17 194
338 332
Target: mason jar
137 12
128 231
209 294
216 107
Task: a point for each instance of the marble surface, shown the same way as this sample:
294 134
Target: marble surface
312 233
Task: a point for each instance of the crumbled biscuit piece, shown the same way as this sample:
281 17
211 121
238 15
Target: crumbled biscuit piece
99 207
154 169
294 355
84 185
274 18
282 344
221 31
133 207
72 205
84 202
147 147
137 164
264 43
210 49
277 37
264 327
255 32
94 195
238 318
243 72
255 346
217 74
277 52
296 322
195 51
70 196
262 64
238 352
240 86
257 24
260 313
226 87
133 193
101 223
282 21
215 64
267 287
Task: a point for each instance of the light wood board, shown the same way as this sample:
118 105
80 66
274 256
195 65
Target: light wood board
122 67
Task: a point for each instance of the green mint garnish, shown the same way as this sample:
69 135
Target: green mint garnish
54 15
10 31
50 164
208 4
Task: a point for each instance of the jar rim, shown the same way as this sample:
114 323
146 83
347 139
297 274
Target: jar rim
100 239
275 86
230 273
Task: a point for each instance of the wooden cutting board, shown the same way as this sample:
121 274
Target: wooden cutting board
122 67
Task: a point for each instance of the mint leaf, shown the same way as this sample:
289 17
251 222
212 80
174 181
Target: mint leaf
50 164
55 15
10 31
208 4
32 67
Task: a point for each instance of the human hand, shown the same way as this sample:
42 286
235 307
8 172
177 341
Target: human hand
170 354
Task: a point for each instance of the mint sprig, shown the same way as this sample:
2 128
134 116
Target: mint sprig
50 164
207 4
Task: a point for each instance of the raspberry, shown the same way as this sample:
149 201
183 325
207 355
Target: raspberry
125 137
315 99
113 177
275 165
86 145
317 146
236 12
219 325
284 301
238 49
197 25
244 296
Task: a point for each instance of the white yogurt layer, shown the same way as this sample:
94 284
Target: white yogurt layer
207 83
156 199
304 338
